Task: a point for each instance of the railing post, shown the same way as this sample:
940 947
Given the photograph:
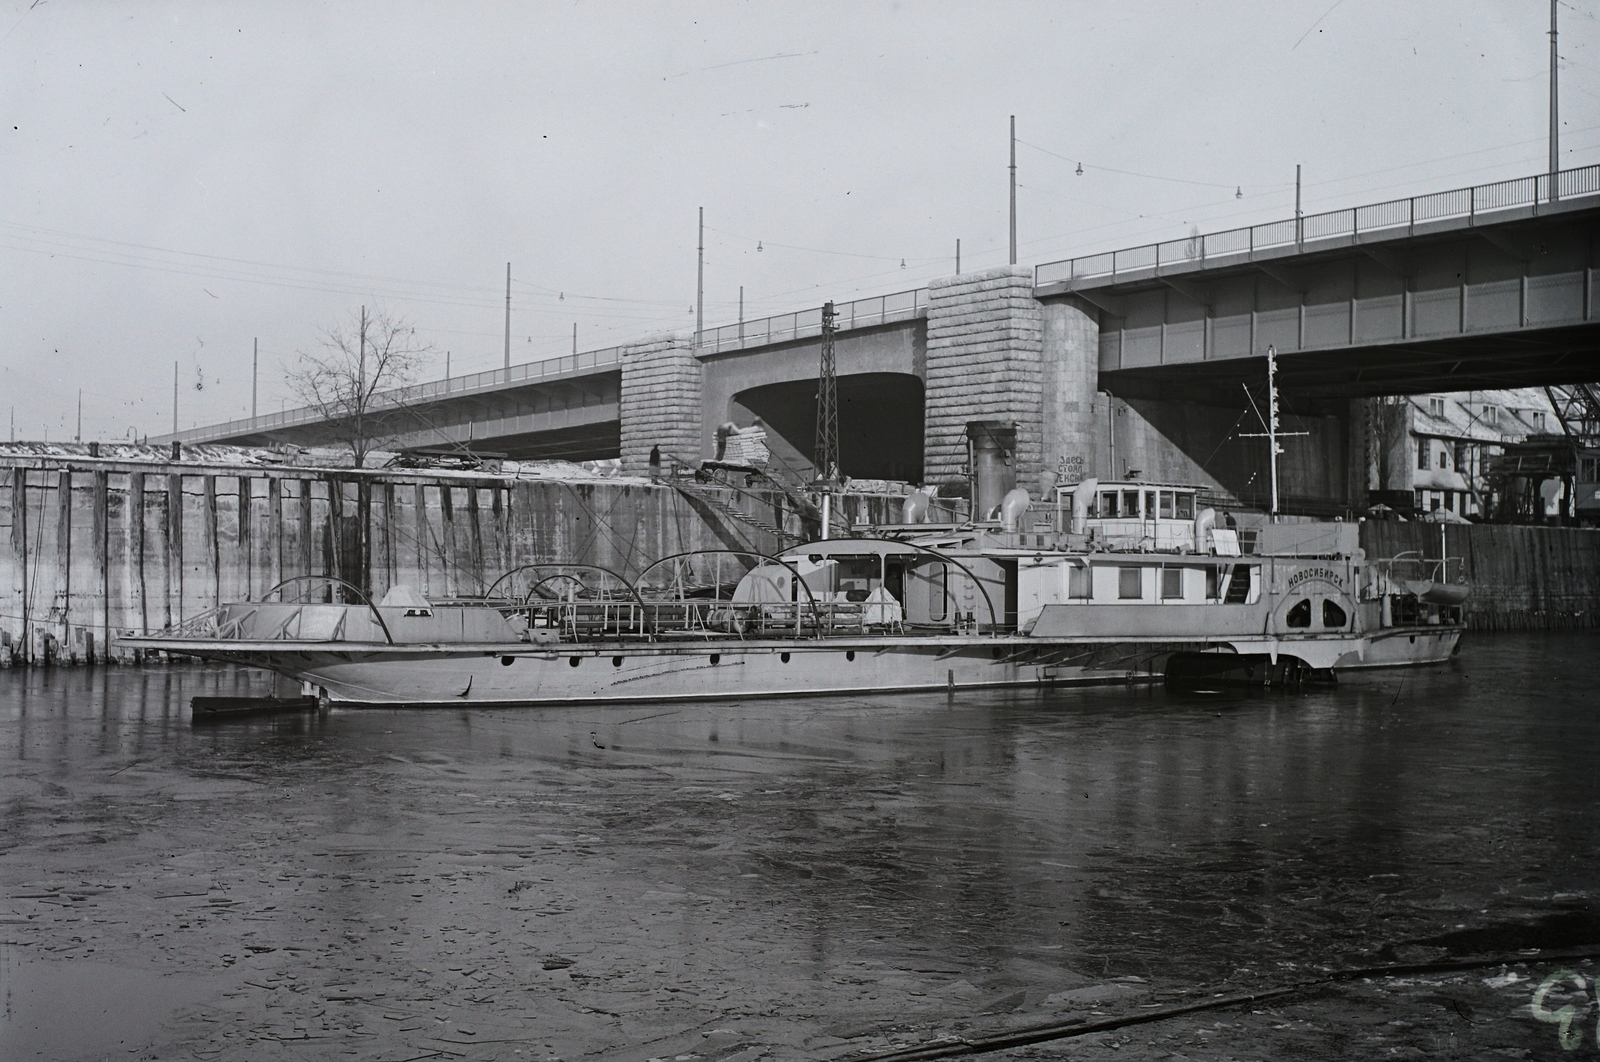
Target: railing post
1472 204
1411 216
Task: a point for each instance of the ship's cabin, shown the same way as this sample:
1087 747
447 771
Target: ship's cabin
1133 514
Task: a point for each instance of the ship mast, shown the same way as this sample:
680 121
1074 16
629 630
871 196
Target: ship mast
1270 422
1273 448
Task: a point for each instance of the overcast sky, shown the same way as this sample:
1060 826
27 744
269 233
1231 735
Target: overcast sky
180 179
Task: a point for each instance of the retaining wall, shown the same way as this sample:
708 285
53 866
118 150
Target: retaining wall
88 548
1523 578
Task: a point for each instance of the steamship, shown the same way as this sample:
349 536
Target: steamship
1104 582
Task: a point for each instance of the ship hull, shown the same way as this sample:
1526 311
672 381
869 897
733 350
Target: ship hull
520 674
1405 647
634 674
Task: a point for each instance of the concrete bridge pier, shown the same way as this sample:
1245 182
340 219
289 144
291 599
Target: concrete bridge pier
995 353
984 362
660 401
1072 416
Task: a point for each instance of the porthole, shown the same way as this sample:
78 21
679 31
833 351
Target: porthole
716 658
784 657
573 660
851 655
505 661
616 661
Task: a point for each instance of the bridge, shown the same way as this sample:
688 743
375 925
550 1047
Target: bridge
1129 359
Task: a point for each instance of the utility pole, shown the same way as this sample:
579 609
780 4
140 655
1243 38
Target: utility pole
574 339
700 282
1555 123
79 436
508 315
255 370
1013 190
826 458
174 398
361 389
958 256
1297 225
741 313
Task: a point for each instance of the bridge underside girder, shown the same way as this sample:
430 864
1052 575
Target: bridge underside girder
1503 304
1459 363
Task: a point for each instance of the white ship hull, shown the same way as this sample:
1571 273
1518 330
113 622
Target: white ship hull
522 675
519 674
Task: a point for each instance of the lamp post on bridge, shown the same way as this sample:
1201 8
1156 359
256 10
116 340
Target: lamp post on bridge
1555 123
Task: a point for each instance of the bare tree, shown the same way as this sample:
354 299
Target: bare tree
357 381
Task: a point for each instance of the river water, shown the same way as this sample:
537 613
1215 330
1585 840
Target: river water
807 878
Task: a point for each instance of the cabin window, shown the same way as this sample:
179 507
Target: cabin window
1185 504
1078 582
1166 505
1171 583
1300 613
1149 505
1129 584
1108 504
1332 614
1212 588
1130 504
854 576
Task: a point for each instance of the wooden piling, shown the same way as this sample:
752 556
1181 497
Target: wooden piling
247 557
173 596
274 531
102 573
136 546
208 516
61 604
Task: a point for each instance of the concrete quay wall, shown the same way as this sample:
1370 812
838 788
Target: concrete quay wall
88 548
1523 578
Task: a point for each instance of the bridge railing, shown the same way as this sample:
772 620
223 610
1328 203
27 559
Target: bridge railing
413 395
1351 223
861 313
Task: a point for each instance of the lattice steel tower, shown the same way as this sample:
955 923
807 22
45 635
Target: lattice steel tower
826 457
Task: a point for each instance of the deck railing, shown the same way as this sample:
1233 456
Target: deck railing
414 395
861 313
1351 223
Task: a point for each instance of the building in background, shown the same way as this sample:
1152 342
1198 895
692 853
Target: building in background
1433 452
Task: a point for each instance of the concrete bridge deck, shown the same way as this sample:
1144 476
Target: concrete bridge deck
1482 287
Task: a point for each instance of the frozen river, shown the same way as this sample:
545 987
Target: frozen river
803 879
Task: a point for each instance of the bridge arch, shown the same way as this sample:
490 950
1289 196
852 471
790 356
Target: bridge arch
880 422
